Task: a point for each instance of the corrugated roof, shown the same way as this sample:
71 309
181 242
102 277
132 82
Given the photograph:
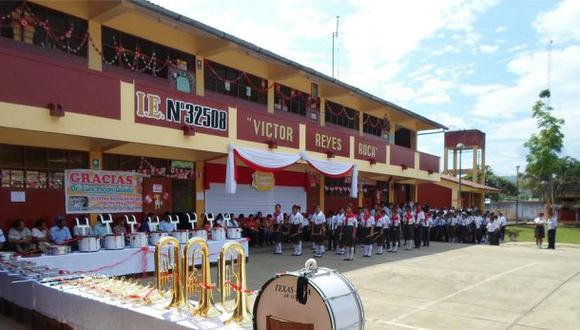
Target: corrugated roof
222 35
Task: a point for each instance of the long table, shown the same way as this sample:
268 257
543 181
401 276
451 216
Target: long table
120 262
80 310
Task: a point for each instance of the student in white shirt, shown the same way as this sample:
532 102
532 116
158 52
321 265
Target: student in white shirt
539 230
339 221
317 231
349 233
552 222
296 224
277 229
40 235
493 230
368 225
502 225
381 227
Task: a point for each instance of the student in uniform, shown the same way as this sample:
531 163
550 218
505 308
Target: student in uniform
339 221
349 233
493 230
539 230
330 231
381 226
408 228
425 225
317 220
367 233
552 222
296 224
453 227
395 231
478 221
502 225
278 221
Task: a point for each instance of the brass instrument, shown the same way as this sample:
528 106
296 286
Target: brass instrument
165 270
240 316
192 282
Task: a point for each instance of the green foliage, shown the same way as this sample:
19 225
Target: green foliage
544 146
506 187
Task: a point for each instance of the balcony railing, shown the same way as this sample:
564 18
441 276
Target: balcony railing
401 156
428 162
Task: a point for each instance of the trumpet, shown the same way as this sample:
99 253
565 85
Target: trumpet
165 270
206 307
240 313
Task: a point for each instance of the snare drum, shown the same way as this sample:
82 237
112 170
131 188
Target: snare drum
114 242
234 233
201 233
89 244
58 250
332 302
137 240
155 236
181 235
218 234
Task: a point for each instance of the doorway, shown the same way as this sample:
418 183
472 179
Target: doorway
182 193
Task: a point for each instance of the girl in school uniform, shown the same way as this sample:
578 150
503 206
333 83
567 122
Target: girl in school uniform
381 225
349 233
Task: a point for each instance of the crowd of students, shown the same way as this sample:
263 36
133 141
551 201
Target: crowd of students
383 228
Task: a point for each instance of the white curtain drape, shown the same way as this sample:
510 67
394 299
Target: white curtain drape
273 161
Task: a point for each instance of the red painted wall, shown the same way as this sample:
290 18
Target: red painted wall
434 195
402 156
40 204
37 79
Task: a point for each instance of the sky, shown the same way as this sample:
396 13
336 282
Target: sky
466 64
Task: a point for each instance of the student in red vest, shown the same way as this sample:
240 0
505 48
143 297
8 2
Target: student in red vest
408 228
395 230
349 233
277 229
367 232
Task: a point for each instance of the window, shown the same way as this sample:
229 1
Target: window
341 115
373 125
37 168
228 81
50 29
291 100
149 166
140 55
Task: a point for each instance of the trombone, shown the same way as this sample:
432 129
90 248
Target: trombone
168 266
205 307
236 279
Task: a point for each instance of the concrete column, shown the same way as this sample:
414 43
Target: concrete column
199 76
416 193
446 161
455 162
95 163
474 169
360 123
322 112
361 195
321 194
482 178
199 191
392 192
95 58
271 98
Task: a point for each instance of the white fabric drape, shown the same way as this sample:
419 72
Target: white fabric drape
256 159
335 170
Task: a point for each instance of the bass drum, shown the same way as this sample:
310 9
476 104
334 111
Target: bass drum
332 303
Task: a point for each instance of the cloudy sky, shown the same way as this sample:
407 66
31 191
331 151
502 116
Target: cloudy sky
467 64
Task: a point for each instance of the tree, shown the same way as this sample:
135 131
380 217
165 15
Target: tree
544 148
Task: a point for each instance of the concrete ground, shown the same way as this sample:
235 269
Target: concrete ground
449 286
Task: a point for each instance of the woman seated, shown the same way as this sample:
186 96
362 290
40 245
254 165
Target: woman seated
20 237
40 235
119 228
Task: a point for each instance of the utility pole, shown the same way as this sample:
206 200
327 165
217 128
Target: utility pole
335 48
460 146
517 191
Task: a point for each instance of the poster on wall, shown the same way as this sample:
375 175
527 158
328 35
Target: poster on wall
93 191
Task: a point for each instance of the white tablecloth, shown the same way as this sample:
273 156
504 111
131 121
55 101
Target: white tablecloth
119 262
82 311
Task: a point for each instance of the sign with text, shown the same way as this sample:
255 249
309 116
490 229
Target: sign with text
263 181
323 140
171 109
370 148
93 191
265 128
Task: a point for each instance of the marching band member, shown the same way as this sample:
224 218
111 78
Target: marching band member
317 232
367 233
381 226
408 226
340 221
395 231
349 233
296 224
277 229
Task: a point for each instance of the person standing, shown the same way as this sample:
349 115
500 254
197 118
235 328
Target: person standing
539 230
493 231
296 224
395 231
317 232
502 223
552 222
478 221
381 227
408 227
425 225
349 233
330 231
339 221
277 229
368 226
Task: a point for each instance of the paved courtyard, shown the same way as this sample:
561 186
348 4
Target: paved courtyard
451 286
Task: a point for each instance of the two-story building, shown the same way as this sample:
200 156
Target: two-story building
130 86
